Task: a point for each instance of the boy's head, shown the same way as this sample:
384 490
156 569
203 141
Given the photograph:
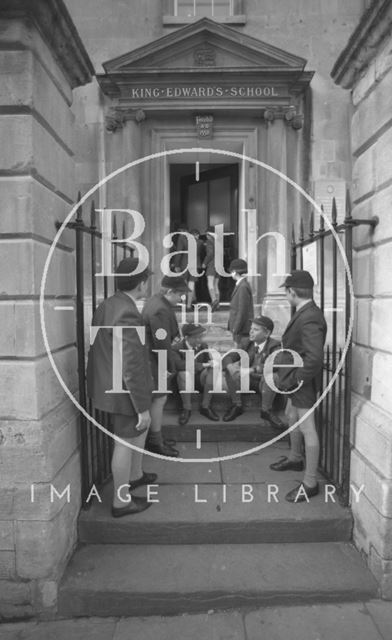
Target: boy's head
299 287
126 280
193 334
261 329
173 288
238 268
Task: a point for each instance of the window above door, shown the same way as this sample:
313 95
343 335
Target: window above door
180 12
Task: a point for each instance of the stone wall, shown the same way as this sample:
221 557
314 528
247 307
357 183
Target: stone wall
314 29
367 70
41 61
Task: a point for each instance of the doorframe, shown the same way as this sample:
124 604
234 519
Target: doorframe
168 137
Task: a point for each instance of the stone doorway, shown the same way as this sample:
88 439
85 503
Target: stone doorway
203 195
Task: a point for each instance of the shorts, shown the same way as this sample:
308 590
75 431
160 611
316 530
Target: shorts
305 397
125 426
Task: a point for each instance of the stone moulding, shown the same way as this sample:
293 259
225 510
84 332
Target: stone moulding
52 20
374 26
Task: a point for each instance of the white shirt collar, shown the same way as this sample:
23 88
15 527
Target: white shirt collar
239 280
261 346
131 296
302 304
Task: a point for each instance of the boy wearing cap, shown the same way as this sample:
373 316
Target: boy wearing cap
130 412
241 304
259 349
192 339
305 335
162 328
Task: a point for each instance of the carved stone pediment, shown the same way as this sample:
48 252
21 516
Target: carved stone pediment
220 46
206 65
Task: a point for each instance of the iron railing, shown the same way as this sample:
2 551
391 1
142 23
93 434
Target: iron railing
96 446
333 415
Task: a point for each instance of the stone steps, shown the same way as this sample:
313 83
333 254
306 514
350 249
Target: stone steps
146 580
179 518
248 427
217 538
236 518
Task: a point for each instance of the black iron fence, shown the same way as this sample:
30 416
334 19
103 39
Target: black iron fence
96 446
333 414
334 298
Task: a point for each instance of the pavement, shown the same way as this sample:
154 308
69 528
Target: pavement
360 621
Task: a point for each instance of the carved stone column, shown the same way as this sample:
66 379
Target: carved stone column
274 303
132 150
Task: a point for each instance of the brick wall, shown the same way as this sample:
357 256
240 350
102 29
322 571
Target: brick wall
38 429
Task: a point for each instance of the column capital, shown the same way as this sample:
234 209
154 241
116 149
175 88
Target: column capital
289 114
114 120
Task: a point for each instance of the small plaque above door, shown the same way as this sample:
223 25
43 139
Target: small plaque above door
204 126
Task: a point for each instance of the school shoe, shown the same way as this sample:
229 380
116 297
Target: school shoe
169 442
275 422
232 413
284 464
209 413
147 478
184 416
298 494
136 505
163 449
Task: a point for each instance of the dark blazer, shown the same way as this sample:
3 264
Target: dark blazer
180 260
241 309
179 356
119 310
256 358
158 313
209 259
305 334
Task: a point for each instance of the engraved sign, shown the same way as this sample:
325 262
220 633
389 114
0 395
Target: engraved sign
204 126
199 91
205 57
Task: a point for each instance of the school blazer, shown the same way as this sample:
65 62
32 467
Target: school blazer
158 313
305 334
241 309
119 310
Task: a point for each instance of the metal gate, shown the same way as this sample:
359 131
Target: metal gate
333 415
96 446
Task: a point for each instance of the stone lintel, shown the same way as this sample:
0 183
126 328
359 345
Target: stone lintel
54 23
116 117
374 26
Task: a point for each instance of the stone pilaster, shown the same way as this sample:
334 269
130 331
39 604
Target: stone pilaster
41 61
276 212
365 67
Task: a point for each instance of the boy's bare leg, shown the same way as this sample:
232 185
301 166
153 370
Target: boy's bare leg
122 465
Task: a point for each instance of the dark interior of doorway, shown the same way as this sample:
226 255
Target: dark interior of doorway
209 198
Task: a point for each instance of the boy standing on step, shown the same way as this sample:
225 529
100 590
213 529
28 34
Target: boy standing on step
210 271
241 304
305 335
130 412
162 328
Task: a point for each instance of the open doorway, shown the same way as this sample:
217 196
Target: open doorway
209 198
